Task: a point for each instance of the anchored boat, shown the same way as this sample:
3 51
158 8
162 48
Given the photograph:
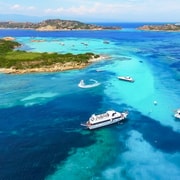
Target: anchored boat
126 78
107 118
177 114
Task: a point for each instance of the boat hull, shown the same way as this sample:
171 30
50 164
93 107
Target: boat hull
177 114
128 79
105 119
95 126
105 123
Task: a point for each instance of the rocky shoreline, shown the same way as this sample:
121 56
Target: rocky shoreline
52 68
55 25
165 27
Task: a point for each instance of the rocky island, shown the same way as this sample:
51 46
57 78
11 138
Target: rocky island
165 27
18 62
55 25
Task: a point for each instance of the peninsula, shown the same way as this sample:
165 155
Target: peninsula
165 27
18 62
55 25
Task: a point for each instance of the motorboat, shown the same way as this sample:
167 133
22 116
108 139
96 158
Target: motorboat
177 114
81 83
99 70
107 118
106 42
126 78
91 85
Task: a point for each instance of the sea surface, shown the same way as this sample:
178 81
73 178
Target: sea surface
40 113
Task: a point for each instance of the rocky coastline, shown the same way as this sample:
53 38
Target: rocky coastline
55 25
57 67
165 27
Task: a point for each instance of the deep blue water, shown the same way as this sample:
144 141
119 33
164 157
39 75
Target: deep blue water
40 113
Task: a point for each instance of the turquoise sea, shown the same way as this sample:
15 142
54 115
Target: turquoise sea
40 113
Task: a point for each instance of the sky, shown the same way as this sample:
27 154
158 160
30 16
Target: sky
97 10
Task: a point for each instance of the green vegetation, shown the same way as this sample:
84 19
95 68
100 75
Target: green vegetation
11 58
6 46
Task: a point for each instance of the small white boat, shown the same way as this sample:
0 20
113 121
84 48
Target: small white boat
108 118
83 85
106 42
177 114
126 78
99 70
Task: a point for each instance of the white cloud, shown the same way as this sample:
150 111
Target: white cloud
116 7
97 8
100 9
16 7
31 8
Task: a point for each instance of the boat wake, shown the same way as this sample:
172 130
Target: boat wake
83 85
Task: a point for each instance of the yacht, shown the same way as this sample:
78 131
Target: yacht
126 78
107 118
177 114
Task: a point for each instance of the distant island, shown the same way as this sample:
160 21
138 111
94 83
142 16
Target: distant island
55 25
19 62
165 27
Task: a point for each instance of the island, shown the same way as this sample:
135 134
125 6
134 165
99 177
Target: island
55 25
164 27
19 62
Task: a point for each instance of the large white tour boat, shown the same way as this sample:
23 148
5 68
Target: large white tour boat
100 120
126 78
177 114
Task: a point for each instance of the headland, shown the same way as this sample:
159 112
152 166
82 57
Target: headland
55 25
165 27
20 62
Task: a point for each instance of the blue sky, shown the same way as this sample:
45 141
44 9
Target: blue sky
97 10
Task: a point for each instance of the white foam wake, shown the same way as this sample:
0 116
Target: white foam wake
83 85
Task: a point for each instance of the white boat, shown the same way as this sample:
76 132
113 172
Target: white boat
83 85
99 70
177 114
126 78
106 42
107 118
